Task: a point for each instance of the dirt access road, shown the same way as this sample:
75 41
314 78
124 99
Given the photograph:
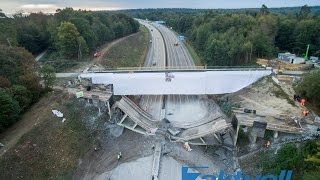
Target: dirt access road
96 61
28 121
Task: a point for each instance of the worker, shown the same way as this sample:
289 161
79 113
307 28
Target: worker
119 156
303 101
305 112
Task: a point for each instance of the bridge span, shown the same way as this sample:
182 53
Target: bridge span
183 81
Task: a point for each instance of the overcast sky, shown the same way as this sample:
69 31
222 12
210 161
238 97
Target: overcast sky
12 6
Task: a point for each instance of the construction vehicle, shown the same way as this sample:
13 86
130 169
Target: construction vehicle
306 55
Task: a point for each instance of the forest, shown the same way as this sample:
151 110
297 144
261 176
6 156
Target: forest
238 37
68 34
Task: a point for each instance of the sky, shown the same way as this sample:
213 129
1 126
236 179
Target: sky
12 6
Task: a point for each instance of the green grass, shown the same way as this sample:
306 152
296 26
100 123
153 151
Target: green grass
243 138
52 149
194 55
131 52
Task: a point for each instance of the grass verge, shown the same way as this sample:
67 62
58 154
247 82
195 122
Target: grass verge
131 52
51 149
196 58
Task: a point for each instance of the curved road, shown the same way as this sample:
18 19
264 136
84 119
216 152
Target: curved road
156 58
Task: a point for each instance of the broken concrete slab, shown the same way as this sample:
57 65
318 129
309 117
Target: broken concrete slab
115 130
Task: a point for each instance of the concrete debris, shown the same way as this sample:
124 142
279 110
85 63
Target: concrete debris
220 152
57 113
317 119
115 130
227 139
153 130
245 129
173 131
79 94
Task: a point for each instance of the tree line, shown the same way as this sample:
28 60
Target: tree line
238 37
68 33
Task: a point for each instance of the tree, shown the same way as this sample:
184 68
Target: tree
22 95
32 38
119 29
285 38
306 32
8 35
86 31
304 12
2 15
264 10
4 82
268 25
69 40
9 110
48 75
309 87
102 32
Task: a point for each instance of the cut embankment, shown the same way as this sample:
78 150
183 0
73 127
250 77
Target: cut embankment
131 52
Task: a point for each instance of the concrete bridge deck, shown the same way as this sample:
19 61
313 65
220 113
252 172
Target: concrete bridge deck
177 82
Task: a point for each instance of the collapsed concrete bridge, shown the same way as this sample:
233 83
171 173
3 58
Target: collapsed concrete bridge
210 130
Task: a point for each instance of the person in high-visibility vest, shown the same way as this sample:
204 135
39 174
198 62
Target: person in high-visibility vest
305 112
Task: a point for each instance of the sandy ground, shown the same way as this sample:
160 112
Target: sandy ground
261 97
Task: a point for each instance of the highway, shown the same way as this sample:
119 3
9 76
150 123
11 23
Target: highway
180 110
155 58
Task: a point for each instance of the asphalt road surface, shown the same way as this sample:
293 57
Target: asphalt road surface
156 58
181 109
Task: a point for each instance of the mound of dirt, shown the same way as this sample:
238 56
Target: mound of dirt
266 98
